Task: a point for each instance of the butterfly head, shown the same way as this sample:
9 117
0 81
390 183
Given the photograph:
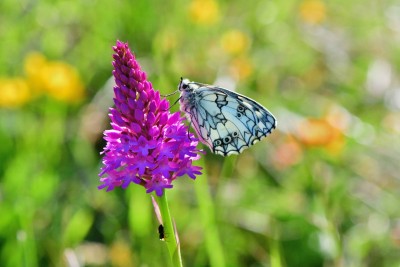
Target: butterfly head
184 85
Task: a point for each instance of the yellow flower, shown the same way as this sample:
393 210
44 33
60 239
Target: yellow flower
14 92
241 68
33 65
204 12
62 82
58 79
234 42
313 11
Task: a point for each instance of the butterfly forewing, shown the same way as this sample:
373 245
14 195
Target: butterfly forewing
225 121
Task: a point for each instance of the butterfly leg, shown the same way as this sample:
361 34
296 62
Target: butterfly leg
173 104
188 131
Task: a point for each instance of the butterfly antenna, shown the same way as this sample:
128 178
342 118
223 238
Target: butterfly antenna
170 93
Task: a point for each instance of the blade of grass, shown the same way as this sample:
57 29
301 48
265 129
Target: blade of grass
207 213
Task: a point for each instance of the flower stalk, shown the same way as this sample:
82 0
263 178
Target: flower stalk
170 236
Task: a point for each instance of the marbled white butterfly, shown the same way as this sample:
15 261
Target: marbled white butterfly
225 121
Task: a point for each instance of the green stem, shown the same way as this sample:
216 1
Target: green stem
170 238
207 212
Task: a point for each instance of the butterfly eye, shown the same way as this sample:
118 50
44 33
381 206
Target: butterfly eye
184 86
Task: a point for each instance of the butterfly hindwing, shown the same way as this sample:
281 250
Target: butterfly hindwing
224 120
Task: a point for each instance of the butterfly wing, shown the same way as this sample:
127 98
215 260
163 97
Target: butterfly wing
226 121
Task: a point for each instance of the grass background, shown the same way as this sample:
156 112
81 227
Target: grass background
322 190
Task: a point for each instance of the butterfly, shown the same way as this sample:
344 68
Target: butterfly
227 122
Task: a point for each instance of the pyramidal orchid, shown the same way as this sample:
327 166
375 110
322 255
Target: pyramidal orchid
147 144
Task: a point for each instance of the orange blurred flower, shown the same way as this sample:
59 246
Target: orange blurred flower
320 132
14 92
234 42
204 12
58 79
313 11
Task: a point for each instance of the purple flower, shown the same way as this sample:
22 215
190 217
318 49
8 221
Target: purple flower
147 145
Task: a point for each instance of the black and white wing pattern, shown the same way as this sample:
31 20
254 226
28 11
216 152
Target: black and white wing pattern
225 121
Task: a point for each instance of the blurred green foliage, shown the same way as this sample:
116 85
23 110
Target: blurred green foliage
322 190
